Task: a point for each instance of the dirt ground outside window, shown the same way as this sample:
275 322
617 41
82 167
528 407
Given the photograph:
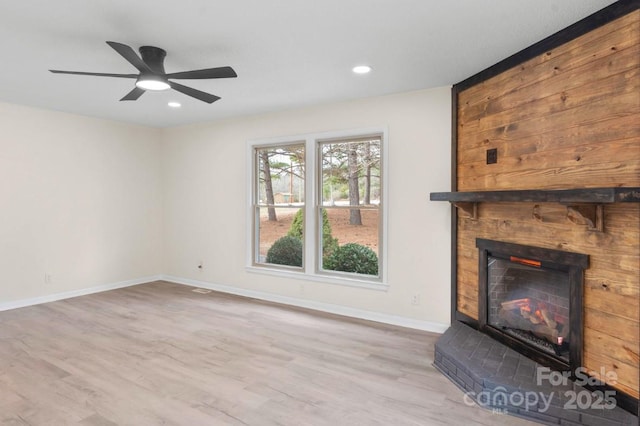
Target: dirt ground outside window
366 234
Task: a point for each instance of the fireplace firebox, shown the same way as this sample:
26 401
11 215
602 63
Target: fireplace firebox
530 299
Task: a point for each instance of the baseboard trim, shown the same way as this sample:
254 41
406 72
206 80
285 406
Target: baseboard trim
5 306
314 305
270 297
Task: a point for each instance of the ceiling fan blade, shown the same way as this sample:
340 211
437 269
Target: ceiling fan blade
194 93
220 72
134 94
130 55
99 74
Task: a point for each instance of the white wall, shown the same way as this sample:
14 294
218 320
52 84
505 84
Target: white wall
97 203
80 200
205 199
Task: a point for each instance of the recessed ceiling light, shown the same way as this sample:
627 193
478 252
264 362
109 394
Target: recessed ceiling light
362 69
173 104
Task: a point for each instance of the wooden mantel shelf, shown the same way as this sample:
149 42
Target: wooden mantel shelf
585 206
563 196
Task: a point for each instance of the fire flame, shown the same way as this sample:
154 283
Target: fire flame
526 306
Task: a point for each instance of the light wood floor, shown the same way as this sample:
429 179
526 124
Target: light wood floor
160 354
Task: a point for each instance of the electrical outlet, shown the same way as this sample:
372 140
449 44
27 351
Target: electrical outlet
415 299
48 279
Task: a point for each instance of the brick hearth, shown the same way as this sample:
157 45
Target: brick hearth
485 368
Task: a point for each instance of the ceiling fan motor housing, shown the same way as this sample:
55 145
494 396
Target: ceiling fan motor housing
153 57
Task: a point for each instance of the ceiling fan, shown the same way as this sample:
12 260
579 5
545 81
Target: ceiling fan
152 75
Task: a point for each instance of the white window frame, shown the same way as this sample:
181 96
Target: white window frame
313 224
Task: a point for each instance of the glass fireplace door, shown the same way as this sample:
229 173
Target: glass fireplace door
530 302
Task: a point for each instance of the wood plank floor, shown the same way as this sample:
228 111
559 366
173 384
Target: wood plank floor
161 354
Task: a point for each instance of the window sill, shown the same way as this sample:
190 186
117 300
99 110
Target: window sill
325 279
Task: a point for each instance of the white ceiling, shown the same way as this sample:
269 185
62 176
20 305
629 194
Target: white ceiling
287 53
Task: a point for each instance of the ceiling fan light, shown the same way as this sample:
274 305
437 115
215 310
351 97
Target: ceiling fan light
152 82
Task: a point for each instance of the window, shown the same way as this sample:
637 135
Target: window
317 207
279 202
349 189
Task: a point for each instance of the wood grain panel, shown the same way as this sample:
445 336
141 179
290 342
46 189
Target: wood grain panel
568 118
575 53
594 176
612 325
582 156
547 237
627 375
468 306
552 117
576 134
563 84
618 350
562 91
613 284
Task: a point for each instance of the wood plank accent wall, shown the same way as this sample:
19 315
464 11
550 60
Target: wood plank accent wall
567 118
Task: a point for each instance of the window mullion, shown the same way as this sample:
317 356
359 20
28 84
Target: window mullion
310 206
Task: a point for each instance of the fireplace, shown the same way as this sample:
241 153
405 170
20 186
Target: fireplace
530 299
530 303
